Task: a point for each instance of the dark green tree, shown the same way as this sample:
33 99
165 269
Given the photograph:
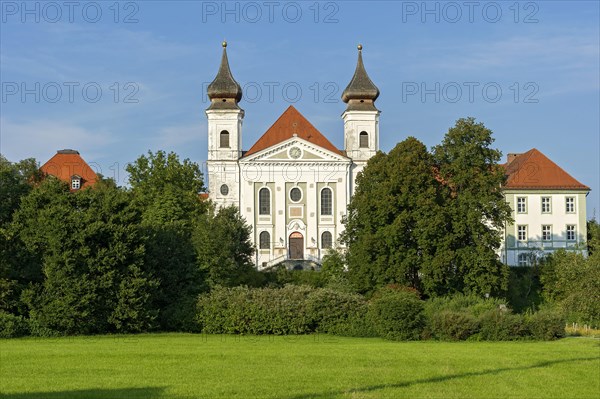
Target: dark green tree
166 192
396 225
468 166
572 281
91 254
222 241
18 267
16 180
593 237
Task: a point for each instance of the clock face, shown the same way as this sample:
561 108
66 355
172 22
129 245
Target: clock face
295 152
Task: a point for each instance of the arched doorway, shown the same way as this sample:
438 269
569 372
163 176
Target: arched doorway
296 246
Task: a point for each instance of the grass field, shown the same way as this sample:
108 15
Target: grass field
299 367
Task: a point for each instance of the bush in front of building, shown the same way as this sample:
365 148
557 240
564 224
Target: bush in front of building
451 325
291 309
397 313
340 313
243 310
12 326
501 325
546 324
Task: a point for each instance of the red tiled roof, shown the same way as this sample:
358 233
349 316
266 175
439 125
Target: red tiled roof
68 163
289 123
533 170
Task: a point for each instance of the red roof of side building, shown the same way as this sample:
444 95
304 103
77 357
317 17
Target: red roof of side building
534 170
68 163
289 123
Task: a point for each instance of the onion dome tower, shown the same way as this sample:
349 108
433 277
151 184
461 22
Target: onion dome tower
361 117
361 92
224 91
225 119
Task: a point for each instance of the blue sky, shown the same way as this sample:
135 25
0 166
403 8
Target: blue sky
115 80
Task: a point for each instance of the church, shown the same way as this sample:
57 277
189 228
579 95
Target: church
293 185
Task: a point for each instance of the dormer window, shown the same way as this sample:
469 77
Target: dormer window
75 183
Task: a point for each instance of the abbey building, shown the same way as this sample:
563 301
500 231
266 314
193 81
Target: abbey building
293 185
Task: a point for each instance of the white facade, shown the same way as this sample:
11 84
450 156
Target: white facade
544 221
300 225
292 186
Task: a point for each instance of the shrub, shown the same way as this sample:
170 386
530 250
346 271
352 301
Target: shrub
12 326
38 330
288 310
471 304
452 325
241 310
546 324
338 312
501 325
397 314
356 324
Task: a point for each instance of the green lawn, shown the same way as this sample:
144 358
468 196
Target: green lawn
298 367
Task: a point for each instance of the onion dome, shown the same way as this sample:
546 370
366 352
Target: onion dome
224 87
361 92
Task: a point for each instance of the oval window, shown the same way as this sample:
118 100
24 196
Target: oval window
224 189
295 194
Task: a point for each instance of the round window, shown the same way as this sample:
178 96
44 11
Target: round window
224 189
295 194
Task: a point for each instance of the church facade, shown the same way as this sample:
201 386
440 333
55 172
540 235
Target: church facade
293 185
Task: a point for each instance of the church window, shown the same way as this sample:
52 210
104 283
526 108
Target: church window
265 240
326 240
224 139
326 202
264 202
224 189
295 194
364 140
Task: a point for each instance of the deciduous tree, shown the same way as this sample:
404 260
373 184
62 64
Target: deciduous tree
468 166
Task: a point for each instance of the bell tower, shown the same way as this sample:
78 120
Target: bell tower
225 119
361 118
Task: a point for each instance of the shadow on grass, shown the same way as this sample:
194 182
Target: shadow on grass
117 393
441 378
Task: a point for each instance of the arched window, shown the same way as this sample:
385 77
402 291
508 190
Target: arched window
363 141
224 139
264 201
264 240
326 240
326 202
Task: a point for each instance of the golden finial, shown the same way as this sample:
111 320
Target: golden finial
224 44
359 47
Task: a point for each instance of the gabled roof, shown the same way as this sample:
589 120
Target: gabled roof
68 163
534 170
289 123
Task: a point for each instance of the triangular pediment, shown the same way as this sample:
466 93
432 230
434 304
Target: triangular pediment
295 150
289 125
